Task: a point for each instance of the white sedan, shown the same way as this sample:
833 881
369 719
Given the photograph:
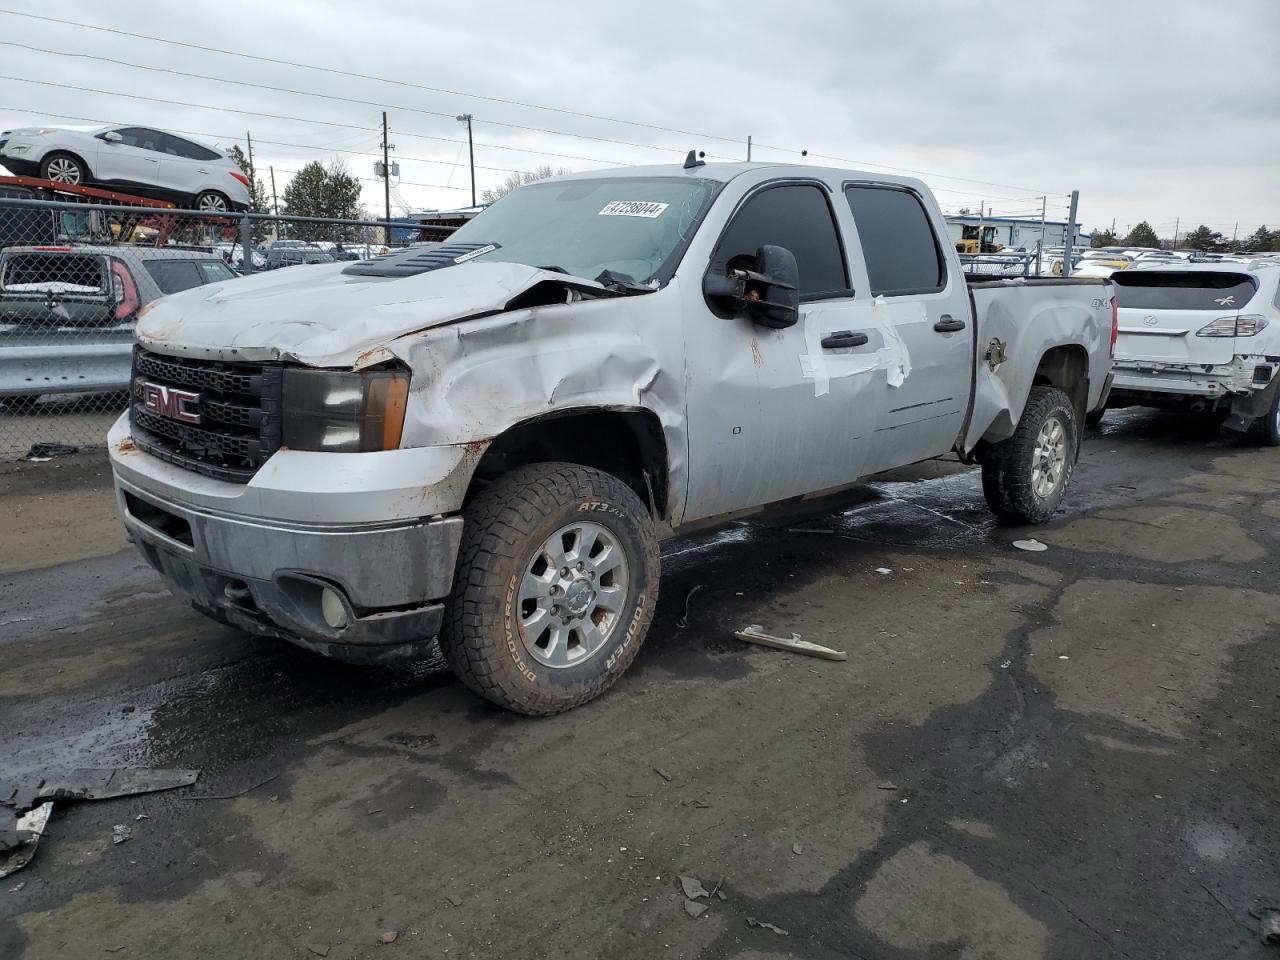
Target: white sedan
138 160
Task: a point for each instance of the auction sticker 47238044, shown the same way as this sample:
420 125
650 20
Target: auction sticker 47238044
633 208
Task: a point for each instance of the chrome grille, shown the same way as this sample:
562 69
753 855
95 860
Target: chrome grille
238 407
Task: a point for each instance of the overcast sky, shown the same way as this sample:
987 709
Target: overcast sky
1153 109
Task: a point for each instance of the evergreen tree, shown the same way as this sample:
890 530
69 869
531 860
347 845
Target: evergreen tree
317 191
1202 238
1142 236
1103 238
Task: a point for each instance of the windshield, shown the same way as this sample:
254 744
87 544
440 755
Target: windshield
634 226
1189 290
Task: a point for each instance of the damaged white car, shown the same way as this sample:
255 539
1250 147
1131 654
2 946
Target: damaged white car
483 442
1202 337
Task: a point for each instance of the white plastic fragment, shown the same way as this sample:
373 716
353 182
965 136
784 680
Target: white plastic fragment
752 633
1031 546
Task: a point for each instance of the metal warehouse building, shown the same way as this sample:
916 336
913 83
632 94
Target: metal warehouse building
1011 231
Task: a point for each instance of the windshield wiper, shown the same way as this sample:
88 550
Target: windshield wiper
622 283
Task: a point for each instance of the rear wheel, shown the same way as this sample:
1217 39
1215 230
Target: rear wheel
556 583
212 201
1266 429
64 168
1025 477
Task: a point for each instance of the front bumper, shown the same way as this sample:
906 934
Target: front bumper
268 576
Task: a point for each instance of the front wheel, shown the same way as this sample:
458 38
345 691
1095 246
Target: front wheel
1025 477
556 583
64 168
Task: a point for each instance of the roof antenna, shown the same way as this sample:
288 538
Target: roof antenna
694 159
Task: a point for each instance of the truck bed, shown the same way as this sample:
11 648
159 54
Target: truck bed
1033 319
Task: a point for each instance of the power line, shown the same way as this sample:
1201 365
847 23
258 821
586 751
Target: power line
411 84
365 76
275 143
405 108
292 119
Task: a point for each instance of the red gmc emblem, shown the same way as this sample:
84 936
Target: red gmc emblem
162 401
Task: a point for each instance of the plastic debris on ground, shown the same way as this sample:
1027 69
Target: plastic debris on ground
693 888
25 806
1031 546
753 922
753 633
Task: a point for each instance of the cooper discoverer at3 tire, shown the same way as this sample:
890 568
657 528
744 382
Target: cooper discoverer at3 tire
556 583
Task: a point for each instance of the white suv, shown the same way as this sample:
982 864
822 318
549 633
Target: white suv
1204 337
138 160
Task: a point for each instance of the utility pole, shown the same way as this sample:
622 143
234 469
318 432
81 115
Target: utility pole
1177 222
748 148
1233 233
386 168
275 205
1044 211
471 152
249 140
1068 247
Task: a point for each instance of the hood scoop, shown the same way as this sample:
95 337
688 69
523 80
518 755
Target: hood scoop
410 263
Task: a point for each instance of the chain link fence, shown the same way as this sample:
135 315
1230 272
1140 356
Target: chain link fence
74 276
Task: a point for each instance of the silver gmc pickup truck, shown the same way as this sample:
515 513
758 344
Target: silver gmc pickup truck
484 441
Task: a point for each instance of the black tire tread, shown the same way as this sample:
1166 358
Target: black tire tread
1006 469
499 525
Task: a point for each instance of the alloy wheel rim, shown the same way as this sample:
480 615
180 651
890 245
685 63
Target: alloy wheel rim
62 170
212 202
572 595
1049 458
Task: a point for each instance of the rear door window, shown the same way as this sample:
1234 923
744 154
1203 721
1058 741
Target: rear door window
798 217
1183 290
898 243
172 276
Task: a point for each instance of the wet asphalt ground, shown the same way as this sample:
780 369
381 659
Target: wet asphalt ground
1065 754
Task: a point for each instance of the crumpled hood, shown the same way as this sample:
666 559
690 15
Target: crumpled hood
319 316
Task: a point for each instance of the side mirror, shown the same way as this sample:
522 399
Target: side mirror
112 137
764 287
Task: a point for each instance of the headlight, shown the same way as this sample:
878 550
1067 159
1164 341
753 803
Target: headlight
342 411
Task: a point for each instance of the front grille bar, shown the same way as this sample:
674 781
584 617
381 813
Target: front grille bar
238 406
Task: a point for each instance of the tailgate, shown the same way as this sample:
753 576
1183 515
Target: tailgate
1163 314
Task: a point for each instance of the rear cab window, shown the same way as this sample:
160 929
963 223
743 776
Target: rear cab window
39 273
901 251
1183 290
796 216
